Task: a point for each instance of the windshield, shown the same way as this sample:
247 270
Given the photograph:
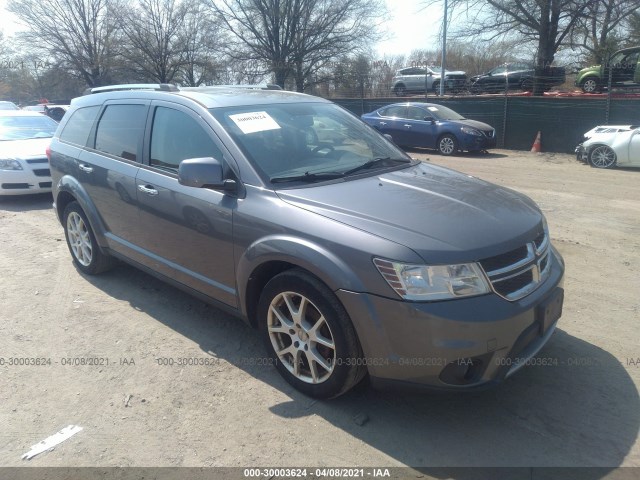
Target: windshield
444 113
307 142
26 127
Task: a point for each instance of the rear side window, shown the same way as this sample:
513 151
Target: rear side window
394 111
175 136
120 130
79 125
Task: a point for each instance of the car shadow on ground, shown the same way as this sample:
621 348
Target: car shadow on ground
576 407
25 203
482 155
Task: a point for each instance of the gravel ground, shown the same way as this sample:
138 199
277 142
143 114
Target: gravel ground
581 409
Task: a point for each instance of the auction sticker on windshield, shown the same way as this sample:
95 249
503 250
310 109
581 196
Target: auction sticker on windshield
252 122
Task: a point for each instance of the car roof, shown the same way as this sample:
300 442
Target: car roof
208 97
413 104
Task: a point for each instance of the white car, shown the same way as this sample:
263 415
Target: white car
416 79
24 138
607 146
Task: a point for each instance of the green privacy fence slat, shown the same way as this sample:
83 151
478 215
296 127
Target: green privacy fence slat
562 120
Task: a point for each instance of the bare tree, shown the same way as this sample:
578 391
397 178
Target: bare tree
297 37
545 23
202 38
600 32
77 34
153 30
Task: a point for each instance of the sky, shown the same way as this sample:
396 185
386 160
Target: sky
410 26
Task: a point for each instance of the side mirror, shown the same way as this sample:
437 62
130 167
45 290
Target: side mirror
388 137
204 173
430 119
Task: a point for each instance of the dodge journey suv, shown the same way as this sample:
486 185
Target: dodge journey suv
353 260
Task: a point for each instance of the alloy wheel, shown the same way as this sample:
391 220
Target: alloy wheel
603 157
301 337
79 239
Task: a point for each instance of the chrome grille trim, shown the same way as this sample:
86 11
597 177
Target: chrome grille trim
534 268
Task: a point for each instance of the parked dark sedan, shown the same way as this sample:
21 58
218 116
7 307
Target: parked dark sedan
430 125
518 76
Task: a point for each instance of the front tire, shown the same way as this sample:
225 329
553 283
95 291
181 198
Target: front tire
447 144
602 157
86 253
309 336
590 85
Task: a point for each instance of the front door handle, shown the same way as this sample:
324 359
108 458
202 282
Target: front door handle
407 125
85 168
148 189
383 123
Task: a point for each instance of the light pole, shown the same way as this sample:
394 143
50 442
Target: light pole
444 49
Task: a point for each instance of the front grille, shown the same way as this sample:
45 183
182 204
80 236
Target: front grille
517 273
37 160
14 186
42 172
489 133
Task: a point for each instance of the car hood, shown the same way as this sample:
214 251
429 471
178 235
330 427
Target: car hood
442 215
35 147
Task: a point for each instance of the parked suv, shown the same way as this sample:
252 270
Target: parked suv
352 259
416 79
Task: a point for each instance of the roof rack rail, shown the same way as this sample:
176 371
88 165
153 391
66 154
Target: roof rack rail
164 87
262 86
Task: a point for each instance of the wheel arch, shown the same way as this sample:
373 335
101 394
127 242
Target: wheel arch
272 255
69 190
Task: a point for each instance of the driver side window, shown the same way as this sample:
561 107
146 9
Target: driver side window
175 136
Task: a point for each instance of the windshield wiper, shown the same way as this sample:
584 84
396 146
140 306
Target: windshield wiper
308 177
377 162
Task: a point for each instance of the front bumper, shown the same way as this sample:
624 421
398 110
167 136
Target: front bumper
25 182
581 153
477 142
458 344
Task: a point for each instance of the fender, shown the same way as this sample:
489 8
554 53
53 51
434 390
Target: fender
69 184
314 258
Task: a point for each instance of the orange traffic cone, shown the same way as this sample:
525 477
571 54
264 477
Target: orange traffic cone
537 145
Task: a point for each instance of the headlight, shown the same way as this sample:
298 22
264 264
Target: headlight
10 164
471 131
433 282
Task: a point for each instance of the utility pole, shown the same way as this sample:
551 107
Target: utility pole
444 49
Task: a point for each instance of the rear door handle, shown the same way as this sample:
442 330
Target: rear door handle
85 168
148 189
407 125
383 123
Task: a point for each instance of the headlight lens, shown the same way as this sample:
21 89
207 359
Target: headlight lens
433 282
10 164
471 131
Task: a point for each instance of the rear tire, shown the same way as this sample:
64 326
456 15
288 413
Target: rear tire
309 336
86 253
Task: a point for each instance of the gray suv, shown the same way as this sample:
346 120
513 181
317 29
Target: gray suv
353 260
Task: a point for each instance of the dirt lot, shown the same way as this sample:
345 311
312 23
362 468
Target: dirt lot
583 410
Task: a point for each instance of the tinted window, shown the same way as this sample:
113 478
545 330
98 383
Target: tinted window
176 136
79 125
119 130
415 113
393 111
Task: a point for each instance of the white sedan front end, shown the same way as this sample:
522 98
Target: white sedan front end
24 167
608 146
